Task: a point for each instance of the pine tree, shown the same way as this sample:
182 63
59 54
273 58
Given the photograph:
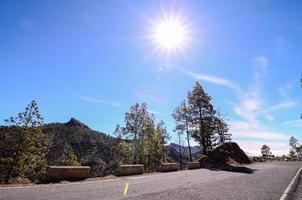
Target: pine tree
151 147
70 158
145 140
179 148
163 136
135 123
265 151
293 143
26 145
146 143
221 128
209 129
201 112
183 121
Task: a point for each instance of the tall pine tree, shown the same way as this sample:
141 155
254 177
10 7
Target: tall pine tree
183 121
202 113
24 148
163 135
146 140
221 129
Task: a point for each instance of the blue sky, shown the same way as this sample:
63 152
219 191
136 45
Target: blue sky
92 60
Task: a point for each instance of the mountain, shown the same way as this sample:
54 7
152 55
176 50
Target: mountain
173 153
185 149
75 140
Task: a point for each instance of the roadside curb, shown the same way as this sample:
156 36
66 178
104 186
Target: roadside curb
288 192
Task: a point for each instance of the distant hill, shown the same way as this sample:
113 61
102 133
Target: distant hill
185 149
173 154
92 148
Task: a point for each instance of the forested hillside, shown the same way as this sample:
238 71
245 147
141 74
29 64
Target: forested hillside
71 143
74 143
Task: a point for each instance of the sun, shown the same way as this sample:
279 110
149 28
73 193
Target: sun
170 34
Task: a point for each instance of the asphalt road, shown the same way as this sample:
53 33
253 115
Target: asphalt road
268 181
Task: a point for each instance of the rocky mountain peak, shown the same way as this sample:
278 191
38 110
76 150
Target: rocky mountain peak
76 123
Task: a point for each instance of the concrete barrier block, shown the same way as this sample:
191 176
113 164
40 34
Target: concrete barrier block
258 159
193 165
68 173
124 170
168 167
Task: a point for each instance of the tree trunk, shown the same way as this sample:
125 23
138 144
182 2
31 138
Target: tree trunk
180 161
220 132
188 138
164 158
14 161
149 163
203 141
135 147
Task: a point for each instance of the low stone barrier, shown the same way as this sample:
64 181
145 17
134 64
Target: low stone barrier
168 167
124 170
258 159
68 173
193 165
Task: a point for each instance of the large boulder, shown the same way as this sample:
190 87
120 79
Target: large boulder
225 157
229 151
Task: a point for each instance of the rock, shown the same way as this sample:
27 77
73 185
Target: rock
76 124
229 151
226 156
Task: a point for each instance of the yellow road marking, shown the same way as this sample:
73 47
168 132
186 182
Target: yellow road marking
126 189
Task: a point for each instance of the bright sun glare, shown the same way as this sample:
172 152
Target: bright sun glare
170 34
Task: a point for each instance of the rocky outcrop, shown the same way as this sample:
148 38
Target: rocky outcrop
227 157
229 151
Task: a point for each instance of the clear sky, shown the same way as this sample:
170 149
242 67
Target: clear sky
92 60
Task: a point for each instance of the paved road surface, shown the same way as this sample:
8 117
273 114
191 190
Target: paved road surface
267 182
